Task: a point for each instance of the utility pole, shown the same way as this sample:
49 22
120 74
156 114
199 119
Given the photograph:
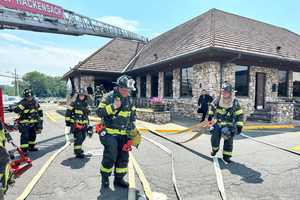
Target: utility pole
17 93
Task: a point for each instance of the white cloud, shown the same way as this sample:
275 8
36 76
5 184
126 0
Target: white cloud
25 56
130 25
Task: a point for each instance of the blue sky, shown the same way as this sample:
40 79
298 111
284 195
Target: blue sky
55 54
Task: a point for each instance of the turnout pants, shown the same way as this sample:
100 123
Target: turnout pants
79 137
4 170
28 137
114 159
215 142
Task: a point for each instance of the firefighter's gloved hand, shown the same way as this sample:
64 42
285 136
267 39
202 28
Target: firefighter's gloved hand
38 131
136 137
128 146
226 133
90 131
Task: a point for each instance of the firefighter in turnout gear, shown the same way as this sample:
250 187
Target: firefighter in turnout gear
4 163
225 118
77 117
100 91
119 132
30 120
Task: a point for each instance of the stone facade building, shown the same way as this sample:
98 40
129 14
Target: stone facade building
259 59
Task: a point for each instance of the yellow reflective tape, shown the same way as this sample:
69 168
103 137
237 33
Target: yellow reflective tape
24 145
82 121
116 131
79 112
1 174
21 106
102 105
33 110
106 170
109 110
77 146
240 123
121 170
68 119
239 112
26 111
227 153
221 111
215 148
124 113
210 112
31 142
26 121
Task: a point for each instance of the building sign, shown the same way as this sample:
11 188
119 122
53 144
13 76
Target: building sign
35 6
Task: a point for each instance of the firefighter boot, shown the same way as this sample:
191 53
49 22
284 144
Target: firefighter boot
121 183
227 159
213 153
32 148
80 155
105 182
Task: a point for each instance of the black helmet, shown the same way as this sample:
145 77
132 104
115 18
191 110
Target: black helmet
126 82
82 91
227 87
27 93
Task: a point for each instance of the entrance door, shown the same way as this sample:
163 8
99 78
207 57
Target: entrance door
260 90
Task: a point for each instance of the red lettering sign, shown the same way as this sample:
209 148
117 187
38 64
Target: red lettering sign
35 6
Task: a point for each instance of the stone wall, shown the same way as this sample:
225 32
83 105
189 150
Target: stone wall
281 112
154 117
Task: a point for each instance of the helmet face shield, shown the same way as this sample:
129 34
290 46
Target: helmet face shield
130 84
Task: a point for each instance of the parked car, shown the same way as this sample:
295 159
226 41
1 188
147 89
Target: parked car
10 102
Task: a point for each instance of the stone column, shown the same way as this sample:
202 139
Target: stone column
148 86
138 87
77 83
290 84
176 83
161 84
86 81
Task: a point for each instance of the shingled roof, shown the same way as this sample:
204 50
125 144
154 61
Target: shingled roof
219 29
113 57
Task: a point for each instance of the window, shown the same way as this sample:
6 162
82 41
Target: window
296 84
168 84
143 86
186 80
283 83
242 80
154 85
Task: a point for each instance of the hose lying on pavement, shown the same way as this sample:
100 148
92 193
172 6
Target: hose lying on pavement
269 144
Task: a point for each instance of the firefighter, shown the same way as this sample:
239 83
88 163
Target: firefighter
30 120
225 118
77 117
100 91
4 163
119 133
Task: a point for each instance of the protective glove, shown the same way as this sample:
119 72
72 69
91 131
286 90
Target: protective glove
136 137
239 130
128 146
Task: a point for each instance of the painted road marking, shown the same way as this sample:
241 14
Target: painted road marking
141 175
296 148
50 117
41 172
131 179
219 178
